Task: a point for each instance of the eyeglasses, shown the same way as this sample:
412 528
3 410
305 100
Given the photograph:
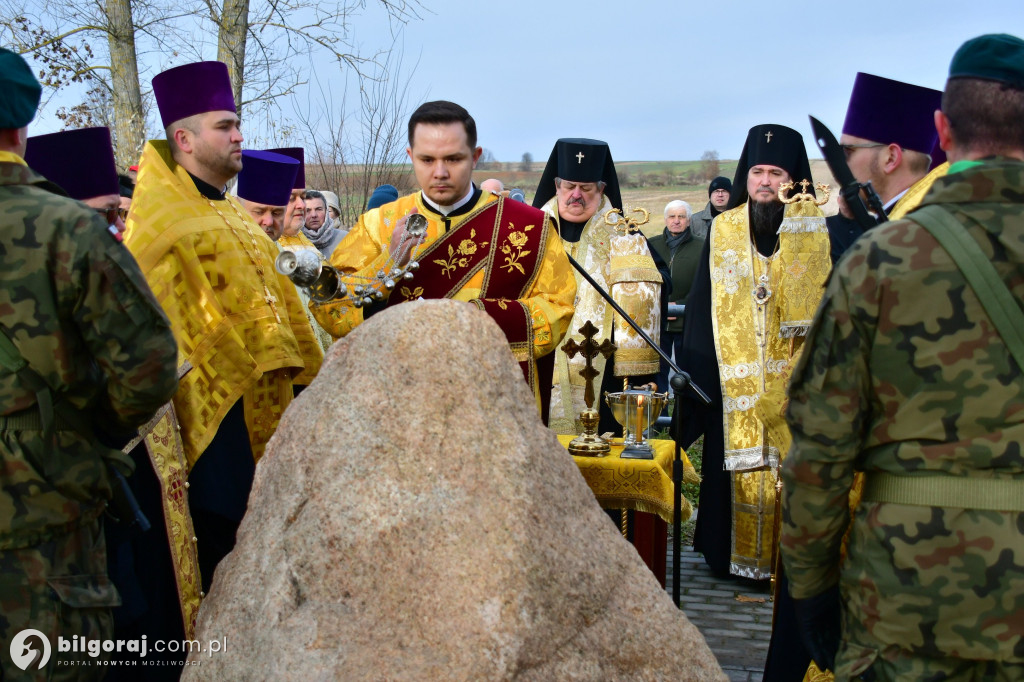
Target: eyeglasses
723 191
850 148
122 213
109 214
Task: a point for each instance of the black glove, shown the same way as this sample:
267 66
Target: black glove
820 626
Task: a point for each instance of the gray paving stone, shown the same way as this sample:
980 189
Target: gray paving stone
738 632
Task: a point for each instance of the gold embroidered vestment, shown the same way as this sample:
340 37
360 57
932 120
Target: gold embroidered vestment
761 309
623 266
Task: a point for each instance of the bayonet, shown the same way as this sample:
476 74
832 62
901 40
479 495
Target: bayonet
850 189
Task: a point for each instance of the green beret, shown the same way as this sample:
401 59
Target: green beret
993 57
19 91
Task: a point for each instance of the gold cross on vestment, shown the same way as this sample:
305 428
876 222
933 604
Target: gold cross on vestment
579 158
588 350
271 301
768 137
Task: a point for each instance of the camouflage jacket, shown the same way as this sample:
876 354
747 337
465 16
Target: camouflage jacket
904 373
79 311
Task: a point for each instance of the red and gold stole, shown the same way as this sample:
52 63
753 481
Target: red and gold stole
507 240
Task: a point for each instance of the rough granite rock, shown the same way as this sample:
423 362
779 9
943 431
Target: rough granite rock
412 519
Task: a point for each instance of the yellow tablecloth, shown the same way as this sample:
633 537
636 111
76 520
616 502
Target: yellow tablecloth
639 484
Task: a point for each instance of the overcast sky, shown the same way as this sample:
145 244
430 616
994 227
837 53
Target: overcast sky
664 79
669 79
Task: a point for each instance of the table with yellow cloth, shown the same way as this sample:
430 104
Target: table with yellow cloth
640 485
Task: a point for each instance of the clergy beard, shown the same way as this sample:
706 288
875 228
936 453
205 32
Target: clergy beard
766 217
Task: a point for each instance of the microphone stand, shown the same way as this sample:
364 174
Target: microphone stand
680 382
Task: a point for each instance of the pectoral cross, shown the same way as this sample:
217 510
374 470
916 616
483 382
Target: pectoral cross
589 350
579 158
768 137
271 301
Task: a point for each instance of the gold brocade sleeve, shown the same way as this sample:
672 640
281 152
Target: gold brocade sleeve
198 258
550 299
362 253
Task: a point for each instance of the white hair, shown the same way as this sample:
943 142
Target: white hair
677 203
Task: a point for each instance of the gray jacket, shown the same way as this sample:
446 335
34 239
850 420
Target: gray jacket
700 222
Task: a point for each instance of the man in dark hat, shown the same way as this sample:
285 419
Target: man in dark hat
914 376
238 323
264 188
99 359
383 194
754 293
81 162
888 135
501 256
578 188
295 211
718 199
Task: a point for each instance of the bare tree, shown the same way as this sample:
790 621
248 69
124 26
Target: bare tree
353 153
98 44
129 117
527 163
285 32
68 41
709 166
488 161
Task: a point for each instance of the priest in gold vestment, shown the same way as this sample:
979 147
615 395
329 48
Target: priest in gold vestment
755 292
578 188
244 341
499 255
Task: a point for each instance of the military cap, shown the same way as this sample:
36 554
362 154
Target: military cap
995 57
19 91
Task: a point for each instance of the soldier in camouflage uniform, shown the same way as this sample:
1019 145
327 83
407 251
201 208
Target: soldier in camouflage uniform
905 377
78 310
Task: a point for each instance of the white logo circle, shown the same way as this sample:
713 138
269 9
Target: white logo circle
30 648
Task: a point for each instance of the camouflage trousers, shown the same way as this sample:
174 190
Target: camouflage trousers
58 588
893 664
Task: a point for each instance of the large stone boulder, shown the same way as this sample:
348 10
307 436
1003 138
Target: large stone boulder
412 519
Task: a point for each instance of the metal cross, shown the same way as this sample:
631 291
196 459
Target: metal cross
271 301
768 137
579 158
803 184
589 350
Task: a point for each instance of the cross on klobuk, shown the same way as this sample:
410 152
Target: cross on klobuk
768 137
589 350
579 158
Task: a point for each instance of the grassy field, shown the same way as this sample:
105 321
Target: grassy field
661 182
652 197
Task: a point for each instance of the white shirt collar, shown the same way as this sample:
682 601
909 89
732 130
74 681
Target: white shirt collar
892 202
445 210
